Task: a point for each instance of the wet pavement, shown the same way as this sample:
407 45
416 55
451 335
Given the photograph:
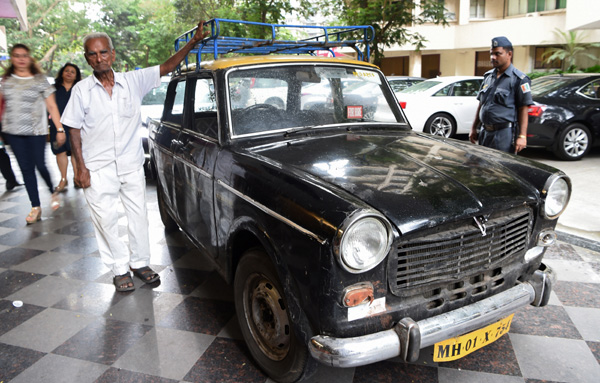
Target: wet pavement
74 327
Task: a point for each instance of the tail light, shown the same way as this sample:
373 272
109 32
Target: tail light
402 104
536 110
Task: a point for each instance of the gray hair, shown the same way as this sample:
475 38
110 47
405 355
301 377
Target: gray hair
98 35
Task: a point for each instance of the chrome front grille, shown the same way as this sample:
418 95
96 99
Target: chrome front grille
455 253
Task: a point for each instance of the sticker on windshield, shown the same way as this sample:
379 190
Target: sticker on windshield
331 72
354 111
366 75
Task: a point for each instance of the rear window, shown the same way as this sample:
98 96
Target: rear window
420 87
543 86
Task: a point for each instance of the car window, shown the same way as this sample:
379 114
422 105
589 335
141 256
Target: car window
466 88
284 97
544 86
591 90
445 91
421 87
157 95
205 108
400 85
174 104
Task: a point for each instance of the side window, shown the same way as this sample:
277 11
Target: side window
445 91
174 104
205 108
591 90
468 88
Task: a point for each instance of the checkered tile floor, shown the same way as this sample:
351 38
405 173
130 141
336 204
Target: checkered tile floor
74 327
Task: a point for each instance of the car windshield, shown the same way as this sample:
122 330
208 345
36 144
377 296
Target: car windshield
156 96
286 98
421 87
543 86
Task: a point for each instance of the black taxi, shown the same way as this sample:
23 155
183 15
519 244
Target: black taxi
348 237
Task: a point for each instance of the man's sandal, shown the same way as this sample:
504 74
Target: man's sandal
146 274
123 282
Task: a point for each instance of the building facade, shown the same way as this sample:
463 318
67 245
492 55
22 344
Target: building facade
463 47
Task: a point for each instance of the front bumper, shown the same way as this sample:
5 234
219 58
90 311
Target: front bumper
408 337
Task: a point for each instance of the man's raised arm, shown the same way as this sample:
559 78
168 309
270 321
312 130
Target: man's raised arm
171 63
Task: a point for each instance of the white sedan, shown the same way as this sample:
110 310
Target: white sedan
443 106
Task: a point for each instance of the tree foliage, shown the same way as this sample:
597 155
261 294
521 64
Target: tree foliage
55 28
390 19
573 46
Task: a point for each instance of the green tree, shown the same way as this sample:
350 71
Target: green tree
390 19
571 48
189 12
55 28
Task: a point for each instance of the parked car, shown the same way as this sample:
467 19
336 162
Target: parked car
348 240
442 106
151 108
399 83
566 115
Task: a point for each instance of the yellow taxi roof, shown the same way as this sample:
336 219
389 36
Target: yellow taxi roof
230 62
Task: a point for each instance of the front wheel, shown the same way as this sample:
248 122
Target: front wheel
573 143
441 124
262 312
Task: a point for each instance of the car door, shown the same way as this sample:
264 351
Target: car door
165 138
464 103
590 104
197 149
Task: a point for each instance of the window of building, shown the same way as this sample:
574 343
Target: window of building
540 60
395 66
518 7
477 9
482 62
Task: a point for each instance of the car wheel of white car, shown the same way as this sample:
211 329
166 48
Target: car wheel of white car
264 319
276 102
441 124
573 143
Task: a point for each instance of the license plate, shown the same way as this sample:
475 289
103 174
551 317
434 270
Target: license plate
456 348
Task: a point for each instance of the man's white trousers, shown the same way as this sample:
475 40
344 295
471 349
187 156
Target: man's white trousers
103 196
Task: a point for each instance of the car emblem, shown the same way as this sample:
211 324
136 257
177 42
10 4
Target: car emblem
480 223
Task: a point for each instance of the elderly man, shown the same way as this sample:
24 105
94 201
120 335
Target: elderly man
505 96
104 114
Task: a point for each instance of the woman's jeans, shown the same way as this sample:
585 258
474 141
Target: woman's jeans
30 152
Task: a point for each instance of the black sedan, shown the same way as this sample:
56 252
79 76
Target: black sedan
349 239
566 115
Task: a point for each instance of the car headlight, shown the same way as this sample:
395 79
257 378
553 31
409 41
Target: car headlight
364 243
557 191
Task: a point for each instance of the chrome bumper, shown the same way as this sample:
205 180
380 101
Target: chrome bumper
408 337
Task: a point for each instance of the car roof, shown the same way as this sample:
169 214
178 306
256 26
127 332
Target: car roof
405 78
450 79
230 62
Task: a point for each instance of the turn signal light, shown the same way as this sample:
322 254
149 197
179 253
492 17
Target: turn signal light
402 104
359 294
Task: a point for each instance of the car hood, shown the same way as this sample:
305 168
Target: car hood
415 180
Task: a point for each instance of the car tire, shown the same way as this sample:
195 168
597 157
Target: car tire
573 143
276 102
165 217
441 124
264 318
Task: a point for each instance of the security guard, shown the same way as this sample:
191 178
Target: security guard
504 100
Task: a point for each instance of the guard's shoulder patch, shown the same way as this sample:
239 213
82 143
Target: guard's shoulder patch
525 88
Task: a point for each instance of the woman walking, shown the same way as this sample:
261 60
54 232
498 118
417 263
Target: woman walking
67 76
27 94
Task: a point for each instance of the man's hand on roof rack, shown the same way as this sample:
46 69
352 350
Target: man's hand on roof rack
173 61
200 33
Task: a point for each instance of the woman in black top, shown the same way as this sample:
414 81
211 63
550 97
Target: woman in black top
67 76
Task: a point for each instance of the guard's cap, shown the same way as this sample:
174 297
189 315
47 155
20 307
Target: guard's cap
501 41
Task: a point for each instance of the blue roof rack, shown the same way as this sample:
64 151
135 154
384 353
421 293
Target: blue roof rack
331 37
